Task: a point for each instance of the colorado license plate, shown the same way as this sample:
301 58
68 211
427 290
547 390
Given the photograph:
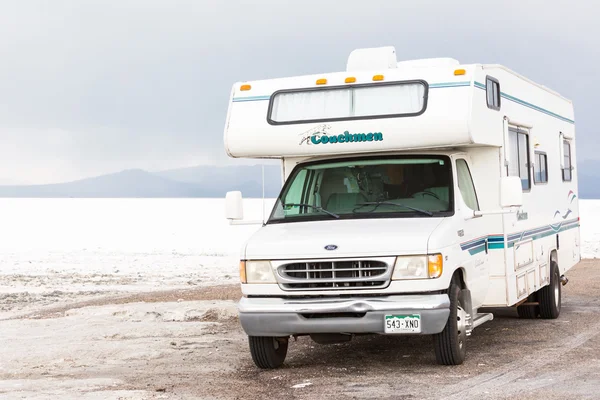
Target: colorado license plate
402 323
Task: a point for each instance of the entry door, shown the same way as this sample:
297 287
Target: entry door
475 247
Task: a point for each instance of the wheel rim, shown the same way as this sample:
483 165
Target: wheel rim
556 291
461 325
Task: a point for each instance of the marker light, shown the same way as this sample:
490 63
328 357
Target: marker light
350 79
321 81
245 87
377 77
435 266
243 272
459 72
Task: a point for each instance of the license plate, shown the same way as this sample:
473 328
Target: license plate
402 323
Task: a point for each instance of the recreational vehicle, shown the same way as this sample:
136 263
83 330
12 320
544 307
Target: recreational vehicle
416 194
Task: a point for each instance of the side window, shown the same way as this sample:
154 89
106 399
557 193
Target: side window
492 92
566 172
540 168
295 193
465 185
518 157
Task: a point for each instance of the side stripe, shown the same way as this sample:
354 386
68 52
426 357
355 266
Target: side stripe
442 85
527 104
496 241
250 98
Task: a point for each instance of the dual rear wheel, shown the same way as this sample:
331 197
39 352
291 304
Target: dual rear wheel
549 299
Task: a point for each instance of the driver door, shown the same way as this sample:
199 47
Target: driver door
474 243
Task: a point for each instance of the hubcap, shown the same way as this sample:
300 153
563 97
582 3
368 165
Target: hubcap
556 291
461 324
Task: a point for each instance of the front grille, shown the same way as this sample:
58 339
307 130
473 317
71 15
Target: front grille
353 274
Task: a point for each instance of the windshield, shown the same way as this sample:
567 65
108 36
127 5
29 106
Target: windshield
401 186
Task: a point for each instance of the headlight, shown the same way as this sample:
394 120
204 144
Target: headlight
256 272
418 267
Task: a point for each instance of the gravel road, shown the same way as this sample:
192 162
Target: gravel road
185 344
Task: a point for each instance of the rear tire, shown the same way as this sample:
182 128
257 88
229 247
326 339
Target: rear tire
268 352
529 311
551 295
451 344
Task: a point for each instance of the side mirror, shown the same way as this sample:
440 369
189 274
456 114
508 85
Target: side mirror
234 209
511 192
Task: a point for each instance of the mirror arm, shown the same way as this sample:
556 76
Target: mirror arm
494 212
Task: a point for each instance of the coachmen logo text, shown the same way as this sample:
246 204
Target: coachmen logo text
347 137
320 135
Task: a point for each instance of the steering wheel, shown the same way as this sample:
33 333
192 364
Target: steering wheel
427 192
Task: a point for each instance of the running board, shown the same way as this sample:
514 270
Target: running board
481 318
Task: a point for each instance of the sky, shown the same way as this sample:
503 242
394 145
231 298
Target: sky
93 87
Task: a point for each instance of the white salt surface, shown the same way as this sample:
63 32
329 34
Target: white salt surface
589 211
79 245
56 250
168 238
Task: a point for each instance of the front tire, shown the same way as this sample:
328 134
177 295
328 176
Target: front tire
551 295
451 344
268 352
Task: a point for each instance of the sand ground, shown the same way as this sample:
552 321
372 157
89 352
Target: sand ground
187 343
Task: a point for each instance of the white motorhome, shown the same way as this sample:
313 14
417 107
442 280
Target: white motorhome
415 194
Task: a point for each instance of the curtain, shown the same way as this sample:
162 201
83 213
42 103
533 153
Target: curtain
348 102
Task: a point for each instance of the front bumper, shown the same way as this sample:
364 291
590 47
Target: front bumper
285 317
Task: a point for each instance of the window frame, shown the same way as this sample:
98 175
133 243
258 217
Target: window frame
536 154
472 181
339 87
296 170
499 97
570 168
521 132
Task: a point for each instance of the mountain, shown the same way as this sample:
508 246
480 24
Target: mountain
248 179
210 181
136 183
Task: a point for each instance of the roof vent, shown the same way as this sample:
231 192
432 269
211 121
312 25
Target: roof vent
377 58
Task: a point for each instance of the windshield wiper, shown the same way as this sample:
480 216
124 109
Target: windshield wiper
311 206
389 203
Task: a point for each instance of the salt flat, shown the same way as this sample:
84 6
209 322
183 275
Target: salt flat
135 299
63 250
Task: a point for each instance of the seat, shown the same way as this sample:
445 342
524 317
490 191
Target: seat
344 201
440 191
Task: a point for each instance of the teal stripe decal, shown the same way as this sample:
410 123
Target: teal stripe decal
477 249
250 98
526 104
443 85
497 242
448 84
432 86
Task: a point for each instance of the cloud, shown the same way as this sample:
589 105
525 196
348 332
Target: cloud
98 86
